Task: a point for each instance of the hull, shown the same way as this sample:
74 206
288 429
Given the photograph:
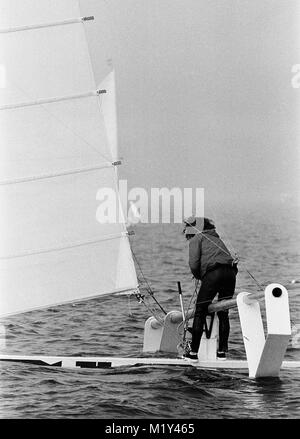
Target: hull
113 362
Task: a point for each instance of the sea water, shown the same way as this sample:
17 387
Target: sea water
267 242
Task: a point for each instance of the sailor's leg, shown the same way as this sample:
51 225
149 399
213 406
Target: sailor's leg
206 294
198 324
226 291
224 329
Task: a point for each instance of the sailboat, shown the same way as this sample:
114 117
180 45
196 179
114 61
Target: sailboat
58 147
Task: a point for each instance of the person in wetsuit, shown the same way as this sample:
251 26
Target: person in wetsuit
211 262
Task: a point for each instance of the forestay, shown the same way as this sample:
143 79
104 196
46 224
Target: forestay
58 146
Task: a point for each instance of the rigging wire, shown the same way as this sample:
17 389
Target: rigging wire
237 258
141 299
200 302
183 343
186 320
148 288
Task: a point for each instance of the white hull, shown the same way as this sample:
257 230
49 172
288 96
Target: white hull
112 362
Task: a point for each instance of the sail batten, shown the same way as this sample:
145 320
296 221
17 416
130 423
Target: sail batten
58 141
42 25
95 93
59 174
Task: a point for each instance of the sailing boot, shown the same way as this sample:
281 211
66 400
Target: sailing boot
188 353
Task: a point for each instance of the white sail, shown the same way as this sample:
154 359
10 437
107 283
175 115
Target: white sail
58 146
108 107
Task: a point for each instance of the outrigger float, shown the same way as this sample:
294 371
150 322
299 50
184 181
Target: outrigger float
265 356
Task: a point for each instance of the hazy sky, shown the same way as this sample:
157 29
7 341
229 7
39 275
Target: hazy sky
204 93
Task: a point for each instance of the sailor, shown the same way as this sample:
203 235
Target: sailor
211 262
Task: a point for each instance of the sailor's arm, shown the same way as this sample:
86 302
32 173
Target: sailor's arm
195 256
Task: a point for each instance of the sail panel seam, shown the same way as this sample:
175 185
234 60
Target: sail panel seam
77 300
65 247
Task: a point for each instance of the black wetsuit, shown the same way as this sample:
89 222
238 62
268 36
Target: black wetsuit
218 280
211 261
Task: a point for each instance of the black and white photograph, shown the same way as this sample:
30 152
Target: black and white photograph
150 213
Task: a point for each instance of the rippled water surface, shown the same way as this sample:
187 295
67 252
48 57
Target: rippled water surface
268 243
